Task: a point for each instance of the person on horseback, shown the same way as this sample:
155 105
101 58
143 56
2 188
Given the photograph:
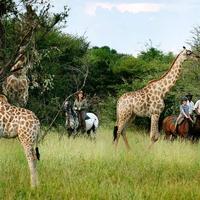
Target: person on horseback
184 112
190 104
80 106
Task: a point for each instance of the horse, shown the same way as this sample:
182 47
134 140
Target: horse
72 123
184 130
171 132
194 133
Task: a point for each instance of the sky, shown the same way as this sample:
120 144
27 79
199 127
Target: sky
129 25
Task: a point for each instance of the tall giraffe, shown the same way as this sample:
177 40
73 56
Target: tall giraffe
16 86
21 123
148 101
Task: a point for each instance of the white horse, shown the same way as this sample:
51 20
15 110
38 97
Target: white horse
72 122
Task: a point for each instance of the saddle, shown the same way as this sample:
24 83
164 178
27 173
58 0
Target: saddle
180 121
87 117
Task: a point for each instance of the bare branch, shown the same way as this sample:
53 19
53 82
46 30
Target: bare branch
66 99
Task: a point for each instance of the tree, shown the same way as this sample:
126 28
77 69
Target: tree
22 26
101 78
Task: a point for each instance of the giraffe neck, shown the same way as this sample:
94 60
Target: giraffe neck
168 80
21 73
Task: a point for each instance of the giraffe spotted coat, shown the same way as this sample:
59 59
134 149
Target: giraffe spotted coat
21 123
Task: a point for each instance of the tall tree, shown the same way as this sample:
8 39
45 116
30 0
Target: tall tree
26 19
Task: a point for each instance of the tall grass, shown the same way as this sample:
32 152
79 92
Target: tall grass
81 169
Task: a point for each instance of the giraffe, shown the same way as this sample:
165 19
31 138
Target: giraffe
148 101
21 123
16 86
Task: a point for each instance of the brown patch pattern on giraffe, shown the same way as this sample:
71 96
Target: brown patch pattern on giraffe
21 123
16 86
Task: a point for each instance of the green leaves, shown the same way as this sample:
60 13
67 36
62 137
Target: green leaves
129 64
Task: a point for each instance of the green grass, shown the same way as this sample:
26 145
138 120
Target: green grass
81 169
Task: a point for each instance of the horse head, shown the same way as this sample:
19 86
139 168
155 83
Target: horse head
66 106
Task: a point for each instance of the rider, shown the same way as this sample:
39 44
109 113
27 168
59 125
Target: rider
190 104
80 106
184 112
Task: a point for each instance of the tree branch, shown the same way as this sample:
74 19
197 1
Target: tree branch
66 99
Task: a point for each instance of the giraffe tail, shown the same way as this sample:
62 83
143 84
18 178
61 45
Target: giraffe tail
115 133
37 153
36 148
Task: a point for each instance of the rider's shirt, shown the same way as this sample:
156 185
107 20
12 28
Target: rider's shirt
80 105
184 109
191 107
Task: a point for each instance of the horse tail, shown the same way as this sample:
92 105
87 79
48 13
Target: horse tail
96 122
115 133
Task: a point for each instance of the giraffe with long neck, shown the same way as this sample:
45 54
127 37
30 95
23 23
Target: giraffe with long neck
16 86
148 101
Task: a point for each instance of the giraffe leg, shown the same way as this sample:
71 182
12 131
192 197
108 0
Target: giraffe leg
124 132
119 129
32 160
154 133
125 139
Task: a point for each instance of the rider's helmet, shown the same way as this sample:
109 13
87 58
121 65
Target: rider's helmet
184 98
189 96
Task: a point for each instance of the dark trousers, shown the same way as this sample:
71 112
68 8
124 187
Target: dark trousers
81 119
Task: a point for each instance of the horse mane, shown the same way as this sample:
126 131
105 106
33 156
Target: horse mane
154 80
72 110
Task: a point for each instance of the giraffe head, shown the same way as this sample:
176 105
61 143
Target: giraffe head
188 54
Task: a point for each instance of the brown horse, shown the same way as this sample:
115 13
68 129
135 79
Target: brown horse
169 128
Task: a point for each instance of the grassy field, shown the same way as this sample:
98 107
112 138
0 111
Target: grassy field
81 169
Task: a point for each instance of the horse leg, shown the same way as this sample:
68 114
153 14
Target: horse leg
172 137
90 130
167 136
89 133
69 134
94 131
